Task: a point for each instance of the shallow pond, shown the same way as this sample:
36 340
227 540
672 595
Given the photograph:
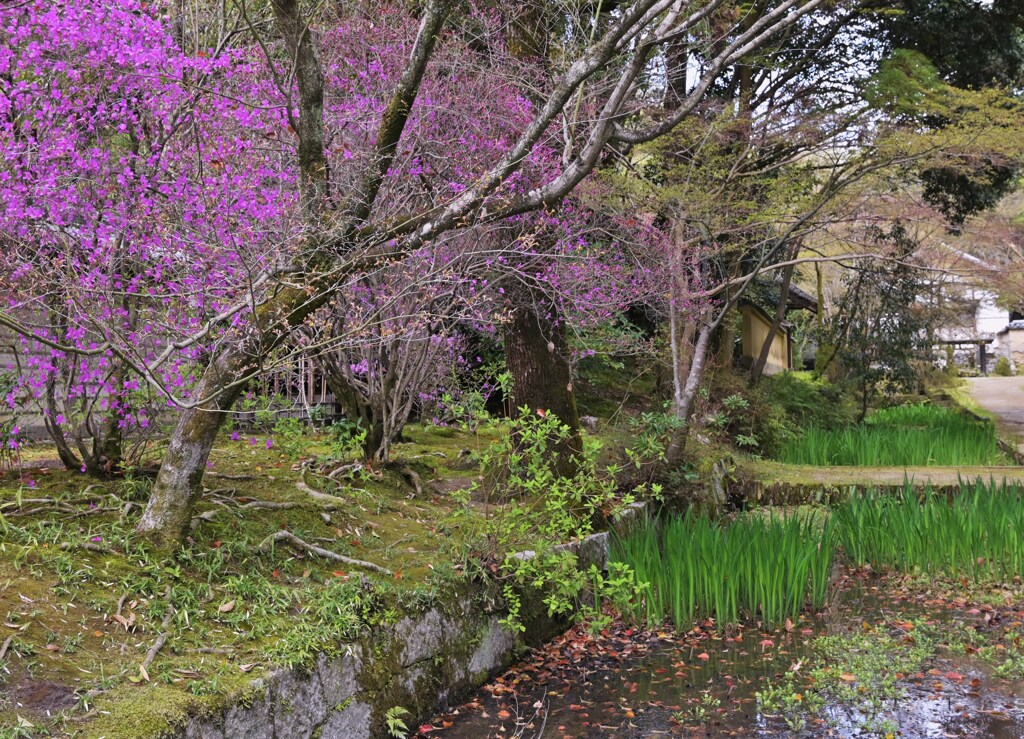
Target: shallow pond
633 683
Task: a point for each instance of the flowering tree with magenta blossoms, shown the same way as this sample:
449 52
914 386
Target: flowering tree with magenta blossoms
133 210
246 210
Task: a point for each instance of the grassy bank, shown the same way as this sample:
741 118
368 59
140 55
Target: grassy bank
131 643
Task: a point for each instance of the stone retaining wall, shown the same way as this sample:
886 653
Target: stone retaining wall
422 663
418 664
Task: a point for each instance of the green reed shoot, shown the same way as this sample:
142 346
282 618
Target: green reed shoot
974 533
908 435
754 568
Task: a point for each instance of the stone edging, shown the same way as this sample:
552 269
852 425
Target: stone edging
422 663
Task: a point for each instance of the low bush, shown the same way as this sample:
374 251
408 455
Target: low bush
807 401
767 418
540 510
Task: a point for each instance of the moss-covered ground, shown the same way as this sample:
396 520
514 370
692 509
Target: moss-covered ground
99 637
83 605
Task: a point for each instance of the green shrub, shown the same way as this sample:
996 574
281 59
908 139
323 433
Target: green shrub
543 510
807 401
776 412
1002 368
289 436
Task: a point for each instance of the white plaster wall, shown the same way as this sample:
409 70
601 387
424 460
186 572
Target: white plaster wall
989 318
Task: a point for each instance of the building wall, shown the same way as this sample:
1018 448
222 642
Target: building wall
990 318
755 327
1010 344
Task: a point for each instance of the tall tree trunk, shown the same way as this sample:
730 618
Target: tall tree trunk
108 450
681 341
535 351
178 485
684 403
61 370
535 346
376 446
726 339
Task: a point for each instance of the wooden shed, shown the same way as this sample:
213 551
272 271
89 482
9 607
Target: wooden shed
755 326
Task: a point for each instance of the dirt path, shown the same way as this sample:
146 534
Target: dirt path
791 474
1004 398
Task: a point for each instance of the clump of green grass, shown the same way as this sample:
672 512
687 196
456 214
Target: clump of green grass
976 533
916 414
756 567
908 435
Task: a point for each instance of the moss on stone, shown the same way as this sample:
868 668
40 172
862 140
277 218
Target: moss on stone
151 712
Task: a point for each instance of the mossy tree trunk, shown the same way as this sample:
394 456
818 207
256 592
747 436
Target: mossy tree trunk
536 351
178 485
179 482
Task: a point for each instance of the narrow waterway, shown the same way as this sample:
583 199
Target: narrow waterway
633 683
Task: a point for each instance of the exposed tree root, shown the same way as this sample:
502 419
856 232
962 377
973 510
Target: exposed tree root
16 508
345 469
88 545
165 634
410 476
224 476
201 517
289 538
271 505
322 497
7 645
